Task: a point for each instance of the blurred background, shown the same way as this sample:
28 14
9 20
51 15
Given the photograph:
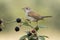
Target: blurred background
12 9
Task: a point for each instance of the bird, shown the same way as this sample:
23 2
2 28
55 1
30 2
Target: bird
33 16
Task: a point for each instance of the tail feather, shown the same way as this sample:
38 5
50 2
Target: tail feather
46 16
42 17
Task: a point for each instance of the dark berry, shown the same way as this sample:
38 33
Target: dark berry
33 31
29 34
17 29
0 21
0 29
18 20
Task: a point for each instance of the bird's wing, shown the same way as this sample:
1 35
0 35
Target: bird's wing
34 15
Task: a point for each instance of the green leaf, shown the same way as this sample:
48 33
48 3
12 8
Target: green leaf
23 37
42 26
25 23
43 37
36 28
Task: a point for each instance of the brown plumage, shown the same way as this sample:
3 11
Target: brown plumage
34 15
31 15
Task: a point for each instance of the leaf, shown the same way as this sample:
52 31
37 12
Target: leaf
36 28
23 37
41 26
43 37
33 37
25 23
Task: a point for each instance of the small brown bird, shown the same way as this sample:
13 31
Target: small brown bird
32 16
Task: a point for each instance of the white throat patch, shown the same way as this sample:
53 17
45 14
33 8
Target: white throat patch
27 11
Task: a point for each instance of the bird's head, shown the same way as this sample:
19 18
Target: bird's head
26 9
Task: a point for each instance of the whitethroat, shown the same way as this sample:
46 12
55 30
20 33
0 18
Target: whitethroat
32 16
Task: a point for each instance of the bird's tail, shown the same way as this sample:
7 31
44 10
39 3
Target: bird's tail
46 16
42 17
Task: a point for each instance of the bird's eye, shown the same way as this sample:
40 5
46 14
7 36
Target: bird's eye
26 8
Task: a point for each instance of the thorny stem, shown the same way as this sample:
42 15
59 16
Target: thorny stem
37 23
31 26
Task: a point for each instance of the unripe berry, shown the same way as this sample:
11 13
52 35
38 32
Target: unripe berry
33 31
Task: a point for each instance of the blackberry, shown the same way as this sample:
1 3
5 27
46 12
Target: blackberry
29 34
18 20
17 29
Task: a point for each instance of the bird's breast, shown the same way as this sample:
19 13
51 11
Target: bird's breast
31 18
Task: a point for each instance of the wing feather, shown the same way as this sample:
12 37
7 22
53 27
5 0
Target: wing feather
34 15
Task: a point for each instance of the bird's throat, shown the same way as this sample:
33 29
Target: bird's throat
27 11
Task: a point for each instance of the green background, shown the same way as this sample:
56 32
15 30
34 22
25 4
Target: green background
12 9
